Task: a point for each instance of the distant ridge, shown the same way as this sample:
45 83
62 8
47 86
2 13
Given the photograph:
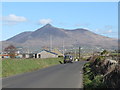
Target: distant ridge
76 37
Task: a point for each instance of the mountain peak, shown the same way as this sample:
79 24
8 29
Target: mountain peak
72 38
48 25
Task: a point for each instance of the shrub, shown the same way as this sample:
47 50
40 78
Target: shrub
91 78
87 81
97 82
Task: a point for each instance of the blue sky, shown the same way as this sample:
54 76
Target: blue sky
99 17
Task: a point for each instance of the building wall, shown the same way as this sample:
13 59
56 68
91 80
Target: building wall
45 54
19 56
26 56
2 56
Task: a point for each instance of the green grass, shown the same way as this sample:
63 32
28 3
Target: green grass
116 54
17 66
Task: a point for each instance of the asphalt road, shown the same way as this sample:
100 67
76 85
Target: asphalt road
58 76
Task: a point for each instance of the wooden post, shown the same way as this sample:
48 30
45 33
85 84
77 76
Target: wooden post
79 52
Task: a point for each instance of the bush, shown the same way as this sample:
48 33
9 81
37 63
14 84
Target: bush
91 79
97 82
87 81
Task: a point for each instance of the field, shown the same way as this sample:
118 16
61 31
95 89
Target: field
17 66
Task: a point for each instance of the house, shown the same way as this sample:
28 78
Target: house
17 55
4 56
20 55
27 55
58 52
45 54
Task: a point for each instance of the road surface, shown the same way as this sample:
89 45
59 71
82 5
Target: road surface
58 76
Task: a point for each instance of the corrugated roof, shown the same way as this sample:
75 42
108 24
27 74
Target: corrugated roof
49 51
57 51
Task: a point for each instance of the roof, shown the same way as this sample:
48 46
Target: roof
57 51
49 52
4 55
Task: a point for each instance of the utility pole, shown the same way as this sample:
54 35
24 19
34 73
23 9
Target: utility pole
63 47
50 42
75 52
79 52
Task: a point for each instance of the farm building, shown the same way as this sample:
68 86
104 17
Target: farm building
45 54
19 56
4 56
27 55
58 52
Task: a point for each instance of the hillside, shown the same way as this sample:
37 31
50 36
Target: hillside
77 37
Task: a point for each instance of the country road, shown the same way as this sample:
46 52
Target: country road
58 76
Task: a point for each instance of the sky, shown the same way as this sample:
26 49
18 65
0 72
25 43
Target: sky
98 17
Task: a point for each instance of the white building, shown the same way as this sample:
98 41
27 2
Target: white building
45 54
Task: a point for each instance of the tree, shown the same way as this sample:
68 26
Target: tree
10 50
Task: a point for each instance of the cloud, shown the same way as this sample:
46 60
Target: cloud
103 31
14 18
109 31
82 24
108 27
77 25
87 28
97 30
45 21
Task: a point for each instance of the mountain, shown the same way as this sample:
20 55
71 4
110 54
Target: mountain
44 36
20 38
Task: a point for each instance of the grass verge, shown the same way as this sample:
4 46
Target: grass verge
17 66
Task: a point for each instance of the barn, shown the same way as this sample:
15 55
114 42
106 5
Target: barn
45 54
58 52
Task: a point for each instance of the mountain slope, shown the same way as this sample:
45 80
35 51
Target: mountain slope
48 30
20 38
47 34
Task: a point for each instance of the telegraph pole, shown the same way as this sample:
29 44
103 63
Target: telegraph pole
50 42
79 52
75 53
63 47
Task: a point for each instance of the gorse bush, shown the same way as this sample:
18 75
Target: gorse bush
92 77
101 72
96 82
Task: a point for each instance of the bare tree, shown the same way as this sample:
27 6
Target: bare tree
10 50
